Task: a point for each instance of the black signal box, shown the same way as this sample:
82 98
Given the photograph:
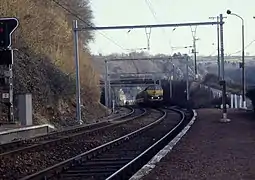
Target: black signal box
6 57
7 27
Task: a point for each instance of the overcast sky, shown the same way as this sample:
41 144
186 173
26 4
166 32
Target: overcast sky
130 12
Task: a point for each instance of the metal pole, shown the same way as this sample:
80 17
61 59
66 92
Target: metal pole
171 87
218 44
106 84
154 75
243 72
173 72
78 91
170 83
147 26
11 113
222 49
224 119
109 91
187 78
113 106
195 54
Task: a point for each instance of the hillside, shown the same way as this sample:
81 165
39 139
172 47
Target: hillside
44 62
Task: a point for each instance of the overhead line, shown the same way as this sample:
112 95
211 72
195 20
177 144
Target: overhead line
151 9
88 24
248 45
157 20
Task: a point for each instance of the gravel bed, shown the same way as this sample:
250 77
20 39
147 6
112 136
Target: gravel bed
128 150
16 145
212 150
22 164
120 112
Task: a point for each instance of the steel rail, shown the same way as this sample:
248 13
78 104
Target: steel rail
127 171
54 140
64 165
74 129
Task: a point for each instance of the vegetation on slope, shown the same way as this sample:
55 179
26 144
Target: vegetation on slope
212 81
44 63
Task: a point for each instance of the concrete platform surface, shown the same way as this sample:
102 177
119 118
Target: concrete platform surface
212 150
10 133
5 127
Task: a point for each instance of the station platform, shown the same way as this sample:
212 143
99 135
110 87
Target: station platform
6 126
12 132
211 150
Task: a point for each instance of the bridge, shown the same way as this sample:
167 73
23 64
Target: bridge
129 81
127 85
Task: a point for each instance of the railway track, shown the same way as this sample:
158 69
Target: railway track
122 157
119 112
21 162
19 145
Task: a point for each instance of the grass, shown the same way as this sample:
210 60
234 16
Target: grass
47 30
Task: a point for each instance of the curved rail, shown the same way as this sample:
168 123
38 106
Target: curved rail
52 171
126 171
68 130
64 134
125 115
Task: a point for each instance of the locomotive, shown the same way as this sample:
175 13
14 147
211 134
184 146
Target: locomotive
150 96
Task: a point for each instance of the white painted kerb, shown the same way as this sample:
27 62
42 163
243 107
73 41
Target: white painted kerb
26 129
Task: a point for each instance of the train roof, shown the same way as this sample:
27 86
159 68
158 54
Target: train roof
154 86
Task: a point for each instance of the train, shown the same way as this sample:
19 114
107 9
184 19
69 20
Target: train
150 96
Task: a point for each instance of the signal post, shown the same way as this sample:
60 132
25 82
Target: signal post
7 27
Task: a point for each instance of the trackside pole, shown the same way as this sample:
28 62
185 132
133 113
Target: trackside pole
223 82
187 78
236 104
170 86
232 100
8 26
106 85
109 92
78 91
113 106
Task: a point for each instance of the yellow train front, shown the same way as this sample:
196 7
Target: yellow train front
150 96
